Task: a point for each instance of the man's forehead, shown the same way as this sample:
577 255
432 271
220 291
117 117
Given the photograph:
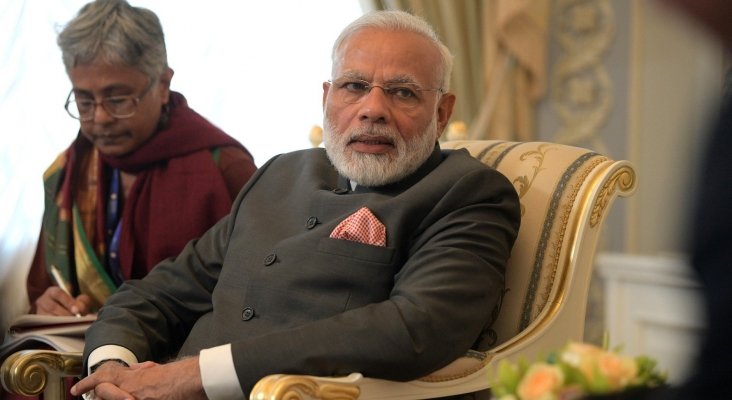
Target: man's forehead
387 56
372 38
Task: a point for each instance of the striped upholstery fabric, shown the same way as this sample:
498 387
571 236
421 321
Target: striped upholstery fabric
550 180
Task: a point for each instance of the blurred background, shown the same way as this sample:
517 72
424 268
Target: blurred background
623 77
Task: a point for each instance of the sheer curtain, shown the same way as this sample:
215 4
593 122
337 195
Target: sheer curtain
253 68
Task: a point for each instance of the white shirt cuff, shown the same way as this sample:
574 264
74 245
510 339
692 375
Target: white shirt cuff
110 352
218 374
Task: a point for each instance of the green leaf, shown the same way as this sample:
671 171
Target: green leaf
509 376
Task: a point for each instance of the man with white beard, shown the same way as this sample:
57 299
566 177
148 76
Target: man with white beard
381 254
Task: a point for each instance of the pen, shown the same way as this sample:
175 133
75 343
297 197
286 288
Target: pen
61 282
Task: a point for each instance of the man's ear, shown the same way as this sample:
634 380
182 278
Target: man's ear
326 89
444 111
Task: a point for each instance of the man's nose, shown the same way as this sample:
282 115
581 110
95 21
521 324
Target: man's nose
375 105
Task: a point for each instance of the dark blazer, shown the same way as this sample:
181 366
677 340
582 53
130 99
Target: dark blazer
269 280
711 253
711 258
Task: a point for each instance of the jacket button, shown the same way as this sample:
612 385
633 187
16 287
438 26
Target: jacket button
270 259
312 221
247 314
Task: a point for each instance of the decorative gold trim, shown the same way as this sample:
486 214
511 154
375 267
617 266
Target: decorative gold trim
299 387
624 180
524 182
32 372
533 307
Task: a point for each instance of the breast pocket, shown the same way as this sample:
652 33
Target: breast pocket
357 250
366 272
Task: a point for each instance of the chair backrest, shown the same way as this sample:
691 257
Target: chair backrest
564 192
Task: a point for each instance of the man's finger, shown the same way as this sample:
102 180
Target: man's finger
83 386
108 391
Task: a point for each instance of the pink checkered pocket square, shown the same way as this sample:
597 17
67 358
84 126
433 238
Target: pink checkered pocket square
361 226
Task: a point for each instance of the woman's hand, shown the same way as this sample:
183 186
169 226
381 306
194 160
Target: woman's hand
55 301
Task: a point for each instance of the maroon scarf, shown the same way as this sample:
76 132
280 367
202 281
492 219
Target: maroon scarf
179 191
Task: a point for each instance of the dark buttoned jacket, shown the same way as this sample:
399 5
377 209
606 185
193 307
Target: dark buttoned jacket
290 299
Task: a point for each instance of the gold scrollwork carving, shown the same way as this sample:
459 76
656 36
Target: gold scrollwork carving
624 180
524 182
29 372
295 387
582 91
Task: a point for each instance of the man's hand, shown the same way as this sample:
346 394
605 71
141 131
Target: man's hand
54 301
179 380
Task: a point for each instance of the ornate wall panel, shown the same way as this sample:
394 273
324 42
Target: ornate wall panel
582 93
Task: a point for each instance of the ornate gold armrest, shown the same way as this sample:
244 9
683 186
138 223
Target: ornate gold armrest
32 372
301 387
464 375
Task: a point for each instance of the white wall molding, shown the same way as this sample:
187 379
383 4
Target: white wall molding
653 306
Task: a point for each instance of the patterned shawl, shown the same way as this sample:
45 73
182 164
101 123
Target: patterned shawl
177 195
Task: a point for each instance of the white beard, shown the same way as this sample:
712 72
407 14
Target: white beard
372 170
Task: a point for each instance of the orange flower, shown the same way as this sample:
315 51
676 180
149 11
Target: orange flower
541 382
618 370
577 369
600 367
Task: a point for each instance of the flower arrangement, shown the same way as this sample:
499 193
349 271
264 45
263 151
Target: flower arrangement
575 370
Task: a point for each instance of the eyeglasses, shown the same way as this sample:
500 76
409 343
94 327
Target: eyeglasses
116 106
404 95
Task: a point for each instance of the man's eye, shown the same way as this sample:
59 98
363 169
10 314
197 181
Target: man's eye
402 92
356 86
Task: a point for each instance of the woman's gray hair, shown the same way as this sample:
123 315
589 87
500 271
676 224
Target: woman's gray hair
394 20
114 32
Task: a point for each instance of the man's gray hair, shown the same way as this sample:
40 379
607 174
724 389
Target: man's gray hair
114 32
399 21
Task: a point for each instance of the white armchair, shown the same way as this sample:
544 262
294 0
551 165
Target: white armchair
565 194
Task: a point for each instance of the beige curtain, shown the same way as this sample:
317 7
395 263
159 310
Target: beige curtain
500 51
